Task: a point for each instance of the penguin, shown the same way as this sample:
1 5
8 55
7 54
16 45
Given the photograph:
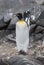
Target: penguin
22 35
27 15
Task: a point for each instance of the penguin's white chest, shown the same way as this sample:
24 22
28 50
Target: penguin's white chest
22 32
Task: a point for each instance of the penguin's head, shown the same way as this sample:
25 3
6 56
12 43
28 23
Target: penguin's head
26 14
19 15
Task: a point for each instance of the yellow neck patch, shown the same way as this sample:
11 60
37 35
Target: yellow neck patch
20 21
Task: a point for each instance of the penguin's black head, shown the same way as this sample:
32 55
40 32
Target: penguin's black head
19 15
26 14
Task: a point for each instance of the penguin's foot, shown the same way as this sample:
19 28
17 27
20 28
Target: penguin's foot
22 52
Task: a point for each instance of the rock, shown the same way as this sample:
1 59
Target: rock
12 23
20 60
7 24
1 62
39 29
11 38
7 17
38 36
2 24
32 22
41 15
1 17
14 20
24 60
39 1
40 22
41 59
32 28
43 32
11 27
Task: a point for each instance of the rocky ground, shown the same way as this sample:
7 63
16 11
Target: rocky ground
9 53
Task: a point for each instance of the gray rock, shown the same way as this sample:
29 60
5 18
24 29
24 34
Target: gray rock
24 60
12 23
41 58
38 37
40 22
39 29
7 17
14 20
11 27
20 60
1 17
32 28
39 1
2 24
41 15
